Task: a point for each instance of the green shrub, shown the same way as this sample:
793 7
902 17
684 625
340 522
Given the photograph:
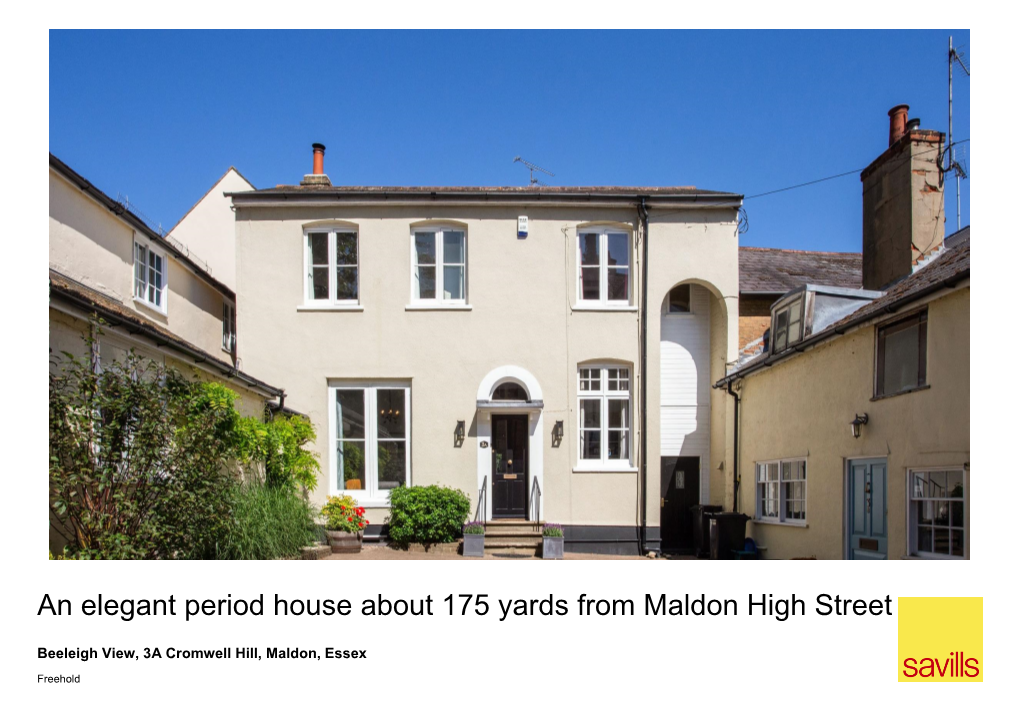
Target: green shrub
267 522
145 463
427 514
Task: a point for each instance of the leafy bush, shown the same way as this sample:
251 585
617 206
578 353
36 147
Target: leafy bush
427 514
145 463
267 522
552 530
275 452
474 528
138 461
344 514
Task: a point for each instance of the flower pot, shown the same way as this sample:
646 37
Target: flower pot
345 541
474 544
552 546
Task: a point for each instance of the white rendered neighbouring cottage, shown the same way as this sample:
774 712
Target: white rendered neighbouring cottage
550 351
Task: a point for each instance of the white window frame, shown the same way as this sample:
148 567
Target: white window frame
603 299
147 286
605 395
229 339
331 301
370 496
797 300
440 264
912 520
762 482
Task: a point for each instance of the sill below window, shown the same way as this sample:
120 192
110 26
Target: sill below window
932 557
604 469
784 524
610 308
902 393
330 308
149 306
438 306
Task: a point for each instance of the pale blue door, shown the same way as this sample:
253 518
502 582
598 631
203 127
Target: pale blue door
867 494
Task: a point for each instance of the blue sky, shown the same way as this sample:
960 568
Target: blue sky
159 116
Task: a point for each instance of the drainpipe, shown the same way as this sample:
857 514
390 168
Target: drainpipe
736 442
643 531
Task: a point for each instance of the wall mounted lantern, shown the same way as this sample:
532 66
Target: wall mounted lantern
459 433
856 423
558 431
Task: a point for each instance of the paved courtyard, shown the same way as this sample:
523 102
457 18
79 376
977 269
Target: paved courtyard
385 553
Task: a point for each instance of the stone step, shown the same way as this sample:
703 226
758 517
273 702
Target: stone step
499 531
515 543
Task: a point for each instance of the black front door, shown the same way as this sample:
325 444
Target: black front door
510 466
681 490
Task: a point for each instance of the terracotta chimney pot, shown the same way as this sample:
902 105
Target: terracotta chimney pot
318 151
897 123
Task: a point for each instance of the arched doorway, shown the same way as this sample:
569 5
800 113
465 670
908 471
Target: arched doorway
685 409
509 430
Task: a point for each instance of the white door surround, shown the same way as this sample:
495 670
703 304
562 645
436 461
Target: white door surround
485 407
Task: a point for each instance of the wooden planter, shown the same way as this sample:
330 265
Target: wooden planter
345 541
474 544
552 547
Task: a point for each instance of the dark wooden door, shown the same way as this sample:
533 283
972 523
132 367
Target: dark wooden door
510 466
681 490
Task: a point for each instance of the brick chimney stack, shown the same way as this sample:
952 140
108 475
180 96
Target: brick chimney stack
904 212
318 175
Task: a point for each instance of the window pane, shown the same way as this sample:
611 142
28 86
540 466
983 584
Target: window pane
591 445
956 543
351 465
619 410
619 279
453 282
617 448
954 484
392 464
589 244
917 486
319 245
941 536
624 379
956 514
941 514
453 246
320 283
617 245
425 248
680 299
901 359
350 414
346 283
392 413
924 539
590 283
509 392
346 248
591 414
426 282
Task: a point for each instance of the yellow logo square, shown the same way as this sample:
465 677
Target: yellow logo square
940 639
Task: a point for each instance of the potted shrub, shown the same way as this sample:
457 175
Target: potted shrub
474 539
552 540
345 524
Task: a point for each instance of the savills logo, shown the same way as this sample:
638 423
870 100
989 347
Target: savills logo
940 639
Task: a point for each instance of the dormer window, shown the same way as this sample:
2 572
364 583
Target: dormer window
787 324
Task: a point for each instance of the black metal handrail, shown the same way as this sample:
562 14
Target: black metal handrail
536 499
481 499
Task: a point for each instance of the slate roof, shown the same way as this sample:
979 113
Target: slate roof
771 270
945 270
116 313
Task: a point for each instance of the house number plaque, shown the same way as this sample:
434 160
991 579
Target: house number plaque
510 476
484 444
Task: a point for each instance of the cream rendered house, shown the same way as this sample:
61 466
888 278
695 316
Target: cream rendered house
854 423
151 293
547 350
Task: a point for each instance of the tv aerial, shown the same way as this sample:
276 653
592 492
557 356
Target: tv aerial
531 169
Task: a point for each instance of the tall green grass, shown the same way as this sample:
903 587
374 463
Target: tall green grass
268 523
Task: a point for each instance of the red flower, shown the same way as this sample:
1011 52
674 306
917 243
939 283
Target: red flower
350 519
